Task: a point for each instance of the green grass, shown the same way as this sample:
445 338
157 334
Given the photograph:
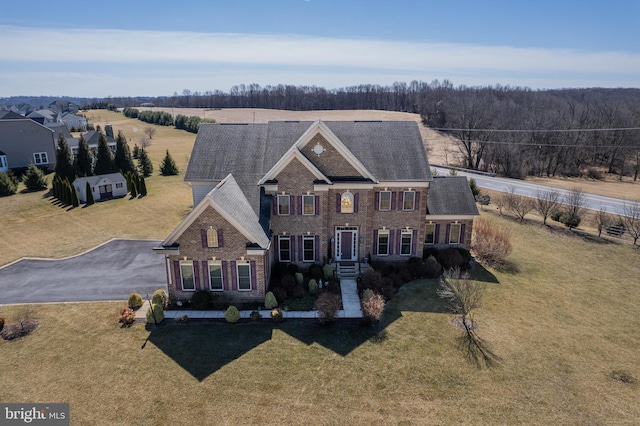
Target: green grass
563 325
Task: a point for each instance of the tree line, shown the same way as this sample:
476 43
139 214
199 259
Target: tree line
181 122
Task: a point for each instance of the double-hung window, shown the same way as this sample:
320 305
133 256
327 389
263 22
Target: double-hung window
385 200
383 242
408 200
308 205
284 249
308 252
215 276
186 275
454 233
284 205
40 158
244 276
429 234
405 243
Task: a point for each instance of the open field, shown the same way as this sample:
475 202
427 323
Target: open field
31 225
562 319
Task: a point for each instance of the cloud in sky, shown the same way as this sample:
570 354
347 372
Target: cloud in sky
177 57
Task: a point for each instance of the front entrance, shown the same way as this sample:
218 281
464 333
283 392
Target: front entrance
346 243
106 191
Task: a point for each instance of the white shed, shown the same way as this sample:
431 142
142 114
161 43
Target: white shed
103 187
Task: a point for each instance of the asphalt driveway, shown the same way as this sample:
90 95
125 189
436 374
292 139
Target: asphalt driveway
110 272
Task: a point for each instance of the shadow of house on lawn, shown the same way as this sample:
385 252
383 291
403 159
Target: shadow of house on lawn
202 349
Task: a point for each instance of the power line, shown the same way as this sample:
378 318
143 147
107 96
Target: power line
550 144
446 129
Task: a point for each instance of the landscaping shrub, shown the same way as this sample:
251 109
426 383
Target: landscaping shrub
298 291
315 272
287 283
34 179
466 256
483 200
232 315
201 300
371 279
280 294
328 305
388 291
372 306
333 286
414 266
255 315
572 221
555 215
22 325
313 286
299 277
490 243
219 302
432 267
450 257
405 274
155 314
7 185
276 315
327 271
278 270
292 268
430 251
160 297
135 301
270 301
593 173
127 316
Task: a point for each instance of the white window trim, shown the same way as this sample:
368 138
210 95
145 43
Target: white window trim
311 238
238 265
288 198
3 162
352 198
380 233
413 205
426 233
402 235
287 238
41 154
380 201
313 205
211 241
215 263
182 277
459 225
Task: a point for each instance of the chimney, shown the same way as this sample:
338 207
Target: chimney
108 130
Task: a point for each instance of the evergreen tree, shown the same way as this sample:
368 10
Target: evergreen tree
143 187
74 196
56 187
34 179
89 197
134 186
122 160
168 166
136 151
83 163
144 163
64 162
7 186
104 162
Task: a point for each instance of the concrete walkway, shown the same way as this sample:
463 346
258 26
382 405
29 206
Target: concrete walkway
350 305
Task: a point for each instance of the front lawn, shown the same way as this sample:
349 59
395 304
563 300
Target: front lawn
562 319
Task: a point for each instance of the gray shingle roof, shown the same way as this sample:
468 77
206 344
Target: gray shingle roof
390 150
228 196
451 195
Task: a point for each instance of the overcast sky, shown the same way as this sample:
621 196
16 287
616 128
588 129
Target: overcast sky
138 48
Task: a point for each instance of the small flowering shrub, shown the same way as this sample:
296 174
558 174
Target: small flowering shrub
276 315
232 315
135 301
372 305
127 316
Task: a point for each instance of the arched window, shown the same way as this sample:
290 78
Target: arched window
346 202
212 237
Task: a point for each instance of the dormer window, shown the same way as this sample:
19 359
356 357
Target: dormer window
346 202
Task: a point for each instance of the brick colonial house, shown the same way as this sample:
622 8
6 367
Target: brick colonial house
305 192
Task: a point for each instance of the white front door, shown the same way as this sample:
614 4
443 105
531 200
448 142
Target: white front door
346 242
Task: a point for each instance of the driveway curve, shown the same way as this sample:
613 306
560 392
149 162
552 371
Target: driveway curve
108 272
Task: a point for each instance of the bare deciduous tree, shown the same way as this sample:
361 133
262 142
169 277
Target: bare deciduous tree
461 293
576 201
149 131
521 206
601 220
631 219
546 202
144 142
501 202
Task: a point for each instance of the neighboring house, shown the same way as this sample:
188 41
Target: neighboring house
74 121
4 165
24 142
308 192
64 106
10 115
103 187
22 109
44 116
93 138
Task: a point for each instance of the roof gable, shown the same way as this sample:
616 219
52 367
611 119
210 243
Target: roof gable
293 153
227 199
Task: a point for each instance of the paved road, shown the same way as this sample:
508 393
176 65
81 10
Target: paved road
594 202
109 272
